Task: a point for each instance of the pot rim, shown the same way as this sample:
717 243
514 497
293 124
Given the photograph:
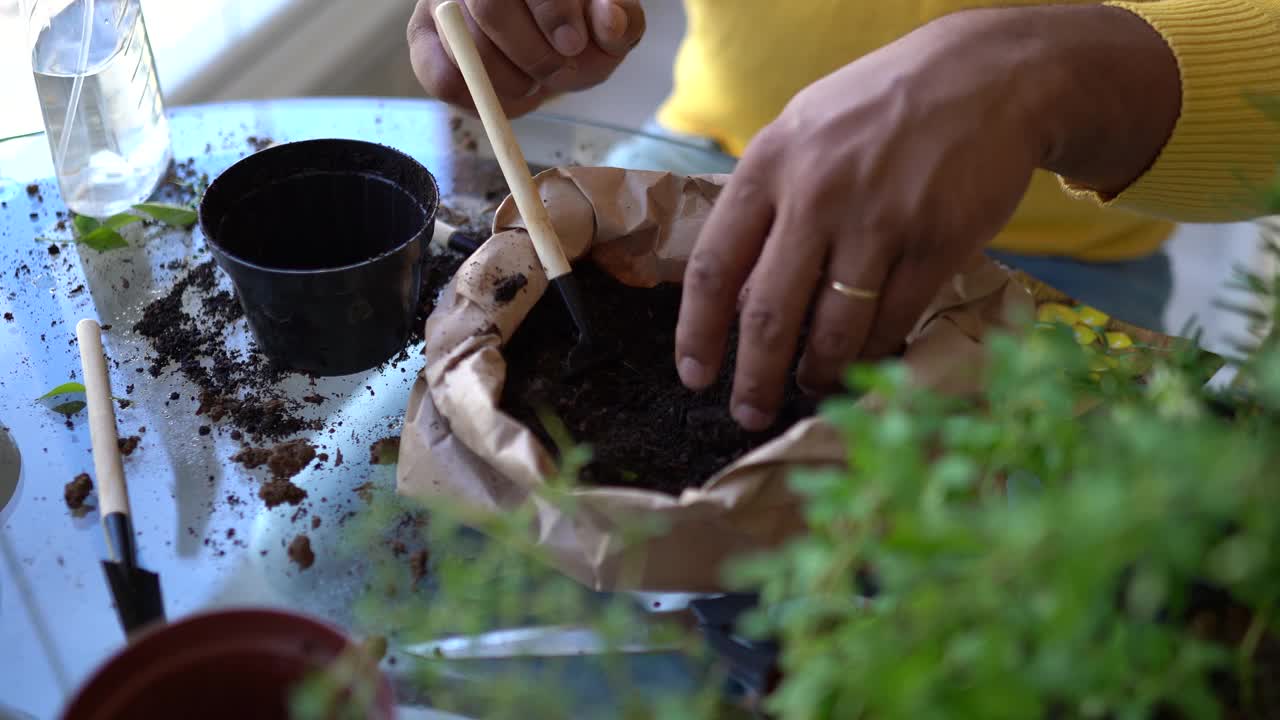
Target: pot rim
141 643
431 209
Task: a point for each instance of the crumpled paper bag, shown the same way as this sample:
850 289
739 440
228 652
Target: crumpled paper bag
639 226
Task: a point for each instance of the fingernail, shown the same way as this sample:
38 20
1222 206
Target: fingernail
693 373
533 90
616 23
751 418
568 40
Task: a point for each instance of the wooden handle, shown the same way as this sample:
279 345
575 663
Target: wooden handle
102 421
443 231
452 25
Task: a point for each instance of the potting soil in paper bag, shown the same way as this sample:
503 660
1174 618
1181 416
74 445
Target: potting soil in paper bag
640 227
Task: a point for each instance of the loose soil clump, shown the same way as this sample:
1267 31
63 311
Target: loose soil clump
300 552
278 492
128 445
644 427
76 492
284 461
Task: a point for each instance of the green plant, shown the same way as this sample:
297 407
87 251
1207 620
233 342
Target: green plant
1084 597
103 235
485 575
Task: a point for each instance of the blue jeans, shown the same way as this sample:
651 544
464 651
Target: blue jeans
1136 291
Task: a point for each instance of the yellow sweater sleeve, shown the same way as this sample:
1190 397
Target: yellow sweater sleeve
1223 148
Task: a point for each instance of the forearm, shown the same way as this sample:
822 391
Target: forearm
1103 92
1153 106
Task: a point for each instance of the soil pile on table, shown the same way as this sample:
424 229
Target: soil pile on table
189 327
232 385
644 427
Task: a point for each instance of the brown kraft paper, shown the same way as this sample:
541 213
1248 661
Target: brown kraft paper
640 226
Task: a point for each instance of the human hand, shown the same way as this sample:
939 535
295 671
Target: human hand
872 187
532 49
879 182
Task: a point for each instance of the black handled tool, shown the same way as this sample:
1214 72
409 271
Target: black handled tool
136 591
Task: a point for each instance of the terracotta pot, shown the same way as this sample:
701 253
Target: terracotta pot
231 663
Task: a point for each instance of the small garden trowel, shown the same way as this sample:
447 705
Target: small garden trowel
136 591
589 352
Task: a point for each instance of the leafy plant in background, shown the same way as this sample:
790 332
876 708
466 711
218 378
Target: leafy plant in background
1139 577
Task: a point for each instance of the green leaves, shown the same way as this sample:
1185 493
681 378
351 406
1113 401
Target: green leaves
104 235
1070 597
65 388
68 407
174 215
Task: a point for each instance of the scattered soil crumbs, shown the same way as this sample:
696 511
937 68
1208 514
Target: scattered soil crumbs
505 289
129 444
644 427
385 451
300 552
76 492
8 316
241 388
238 389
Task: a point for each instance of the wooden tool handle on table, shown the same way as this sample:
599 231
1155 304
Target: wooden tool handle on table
112 497
451 23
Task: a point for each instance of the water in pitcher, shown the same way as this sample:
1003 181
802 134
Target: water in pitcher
118 147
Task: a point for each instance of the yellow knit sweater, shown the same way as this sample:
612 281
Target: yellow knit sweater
742 60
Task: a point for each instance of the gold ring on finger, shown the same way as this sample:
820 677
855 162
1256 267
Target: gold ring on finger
853 293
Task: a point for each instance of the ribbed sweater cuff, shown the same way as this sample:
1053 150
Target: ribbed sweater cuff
1223 147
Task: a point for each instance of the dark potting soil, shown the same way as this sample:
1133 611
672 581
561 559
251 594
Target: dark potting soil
644 427
232 386
437 269
506 289
241 387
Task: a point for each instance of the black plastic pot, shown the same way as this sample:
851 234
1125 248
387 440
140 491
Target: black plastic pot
324 241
